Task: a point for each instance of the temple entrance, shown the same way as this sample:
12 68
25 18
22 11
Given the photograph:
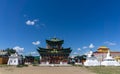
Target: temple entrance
54 60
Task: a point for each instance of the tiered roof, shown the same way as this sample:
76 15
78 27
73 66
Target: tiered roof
54 41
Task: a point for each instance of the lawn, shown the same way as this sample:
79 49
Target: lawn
104 70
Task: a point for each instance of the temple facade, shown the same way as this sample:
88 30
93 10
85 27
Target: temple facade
54 53
102 52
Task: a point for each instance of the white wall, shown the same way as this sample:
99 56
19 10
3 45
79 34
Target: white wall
13 61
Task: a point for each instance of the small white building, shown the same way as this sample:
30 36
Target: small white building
15 59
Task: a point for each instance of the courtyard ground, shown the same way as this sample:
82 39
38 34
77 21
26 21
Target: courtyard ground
44 70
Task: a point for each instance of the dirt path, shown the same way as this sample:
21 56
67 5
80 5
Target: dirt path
44 70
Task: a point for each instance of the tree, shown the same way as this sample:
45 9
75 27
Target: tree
10 51
80 58
83 57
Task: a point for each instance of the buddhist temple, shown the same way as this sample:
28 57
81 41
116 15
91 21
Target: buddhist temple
54 53
102 51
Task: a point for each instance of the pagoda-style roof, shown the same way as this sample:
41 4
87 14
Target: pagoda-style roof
104 47
54 47
54 40
54 51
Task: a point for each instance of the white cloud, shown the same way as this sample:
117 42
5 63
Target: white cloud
36 43
110 43
91 46
40 26
75 53
34 53
18 49
35 20
85 47
79 49
30 22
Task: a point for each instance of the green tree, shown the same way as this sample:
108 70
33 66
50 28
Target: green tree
10 51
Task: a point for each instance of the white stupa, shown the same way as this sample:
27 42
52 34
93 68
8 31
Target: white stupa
15 59
91 60
109 61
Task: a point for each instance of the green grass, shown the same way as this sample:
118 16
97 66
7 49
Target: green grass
3 65
35 64
104 70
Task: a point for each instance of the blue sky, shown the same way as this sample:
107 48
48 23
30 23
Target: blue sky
27 23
